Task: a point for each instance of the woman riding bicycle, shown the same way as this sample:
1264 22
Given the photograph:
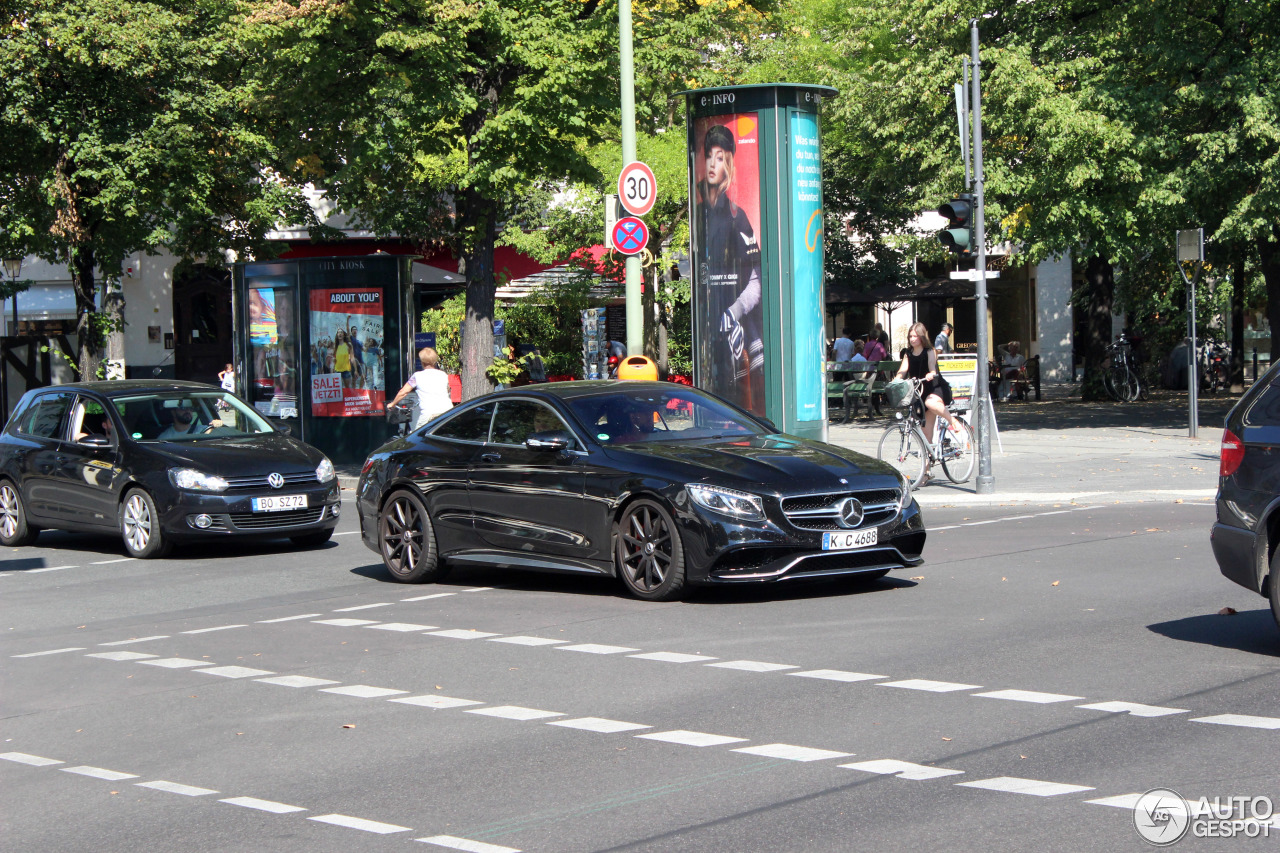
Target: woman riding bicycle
921 362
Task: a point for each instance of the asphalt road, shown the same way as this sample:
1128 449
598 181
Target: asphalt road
262 698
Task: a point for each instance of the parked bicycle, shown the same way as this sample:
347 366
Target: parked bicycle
1122 378
1215 365
904 446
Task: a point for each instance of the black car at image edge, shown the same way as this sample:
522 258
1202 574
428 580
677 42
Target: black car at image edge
655 483
158 462
1246 533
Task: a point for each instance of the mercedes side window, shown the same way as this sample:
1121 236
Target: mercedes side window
46 417
518 419
1265 410
471 425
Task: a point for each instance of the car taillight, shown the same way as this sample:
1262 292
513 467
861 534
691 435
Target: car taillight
1232 454
368 463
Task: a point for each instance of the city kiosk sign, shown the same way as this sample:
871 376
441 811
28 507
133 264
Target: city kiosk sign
756 235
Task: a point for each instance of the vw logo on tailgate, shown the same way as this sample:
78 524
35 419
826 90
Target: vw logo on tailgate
276 481
849 513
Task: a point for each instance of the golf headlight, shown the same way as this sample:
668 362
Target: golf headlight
324 471
739 505
189 479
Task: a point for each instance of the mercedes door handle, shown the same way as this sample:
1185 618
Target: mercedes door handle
490 457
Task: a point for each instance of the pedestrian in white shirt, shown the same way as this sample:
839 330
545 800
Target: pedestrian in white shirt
432 385
842 349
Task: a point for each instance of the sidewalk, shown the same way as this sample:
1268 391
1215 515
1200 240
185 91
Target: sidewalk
1062 450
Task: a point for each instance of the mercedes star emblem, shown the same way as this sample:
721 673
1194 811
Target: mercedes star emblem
850 513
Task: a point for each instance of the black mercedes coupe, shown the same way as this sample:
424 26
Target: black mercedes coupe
655 483
158 462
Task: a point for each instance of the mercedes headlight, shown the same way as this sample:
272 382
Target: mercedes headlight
904 497
738 505
324 471
191 480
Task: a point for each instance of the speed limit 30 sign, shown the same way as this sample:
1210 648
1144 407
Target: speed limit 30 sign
637 189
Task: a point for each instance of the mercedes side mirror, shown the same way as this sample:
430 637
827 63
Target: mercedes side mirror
97 442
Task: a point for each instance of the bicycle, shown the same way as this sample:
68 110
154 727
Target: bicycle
904 446
1121 379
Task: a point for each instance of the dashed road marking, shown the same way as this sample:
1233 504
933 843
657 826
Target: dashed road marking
514 712
177 788
364 607
1134 709
1243 720
753 665
262 805
1029 696
929 686
598 724
478 589
345 623
403 627
297 681
50 652
671 657
175 663
466 844
902 769
359 823
1033 787
363 691
838 675
432 701
1123 801
433 595
792 753
234 671
527 641
49 569
99 773
288 618
211 630
121 655
462 634
595 649
108 562
136 640
687 738
33 760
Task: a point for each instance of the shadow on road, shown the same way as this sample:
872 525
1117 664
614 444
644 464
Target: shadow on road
1253 631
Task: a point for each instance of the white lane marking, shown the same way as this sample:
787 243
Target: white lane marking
363 691
528 641
433 595
461 634
466 844
99 773
262 805
433 701
345 623
360 823
753 665
687 738
672 657
107 562
50 652
1134 709
211 630
1028 696
1123 801
175 663
598 724
176 788
902 769
297 681
120 655
478 589
47 569
136 640
364 607
1055 512
792 753
1243 720
399 626
24 758
515 712
837 675
347 533
289 618
595 649
234 671
1033 787
930 686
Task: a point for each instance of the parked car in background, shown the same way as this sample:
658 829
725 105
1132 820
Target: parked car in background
159 462
654 483
1246 535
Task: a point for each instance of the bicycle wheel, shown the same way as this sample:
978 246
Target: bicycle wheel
958 451
1132 387
903 447
1109 384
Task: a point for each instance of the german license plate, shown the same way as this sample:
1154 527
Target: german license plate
279 503
848 540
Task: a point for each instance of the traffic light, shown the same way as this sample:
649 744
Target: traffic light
958 236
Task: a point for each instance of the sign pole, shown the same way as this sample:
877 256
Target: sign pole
635 312
1190 248
986 482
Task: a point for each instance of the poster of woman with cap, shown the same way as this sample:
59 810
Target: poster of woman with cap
726 224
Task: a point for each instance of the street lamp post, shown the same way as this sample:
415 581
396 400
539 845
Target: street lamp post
1191 251
13 268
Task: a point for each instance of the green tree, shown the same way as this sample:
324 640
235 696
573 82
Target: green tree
125 131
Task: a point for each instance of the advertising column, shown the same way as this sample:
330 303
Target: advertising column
809 343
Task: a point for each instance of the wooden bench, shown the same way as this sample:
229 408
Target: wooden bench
858 382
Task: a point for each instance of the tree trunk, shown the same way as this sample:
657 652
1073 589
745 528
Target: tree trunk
477 221
1236 378
82 275
1095 299
113 320
1269 260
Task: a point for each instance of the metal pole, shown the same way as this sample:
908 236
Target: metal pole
1193 377
634 280
986 483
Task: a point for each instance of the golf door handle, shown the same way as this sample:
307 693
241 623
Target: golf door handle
490 457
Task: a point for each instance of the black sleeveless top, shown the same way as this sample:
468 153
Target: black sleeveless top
918 367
